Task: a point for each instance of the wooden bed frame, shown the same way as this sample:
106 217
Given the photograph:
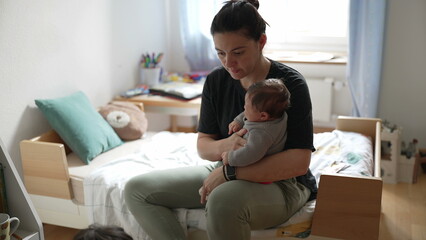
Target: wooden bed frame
347 207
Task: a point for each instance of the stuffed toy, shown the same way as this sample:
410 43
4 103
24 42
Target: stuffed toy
127 119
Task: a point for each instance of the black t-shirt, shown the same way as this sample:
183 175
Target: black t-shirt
223 100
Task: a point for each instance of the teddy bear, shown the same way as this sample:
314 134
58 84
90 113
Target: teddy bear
127 119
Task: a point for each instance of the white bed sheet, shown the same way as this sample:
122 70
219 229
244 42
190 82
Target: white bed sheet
349 153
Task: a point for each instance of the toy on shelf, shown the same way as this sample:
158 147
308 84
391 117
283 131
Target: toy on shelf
192 77
388 126
410 150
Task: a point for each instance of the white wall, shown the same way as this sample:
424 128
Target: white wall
52 48
403 91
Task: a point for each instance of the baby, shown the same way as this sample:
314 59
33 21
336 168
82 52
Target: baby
265 119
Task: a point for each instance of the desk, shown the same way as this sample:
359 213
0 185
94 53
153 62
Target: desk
167 105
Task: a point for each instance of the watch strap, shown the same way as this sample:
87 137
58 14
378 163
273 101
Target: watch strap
229 173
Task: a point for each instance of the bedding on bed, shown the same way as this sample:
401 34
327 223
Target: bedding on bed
337 152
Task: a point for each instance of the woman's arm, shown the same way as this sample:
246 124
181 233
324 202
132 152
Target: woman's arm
279 166
210 148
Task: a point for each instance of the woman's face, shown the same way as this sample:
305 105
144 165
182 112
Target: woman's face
239 55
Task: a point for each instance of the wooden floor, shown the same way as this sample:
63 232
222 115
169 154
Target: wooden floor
404 210
403 214
52 232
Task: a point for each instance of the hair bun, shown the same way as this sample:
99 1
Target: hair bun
255 3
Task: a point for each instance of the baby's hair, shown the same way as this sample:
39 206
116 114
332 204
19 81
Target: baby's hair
270 96
239 15
99 232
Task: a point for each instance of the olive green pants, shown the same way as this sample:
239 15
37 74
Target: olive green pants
232 209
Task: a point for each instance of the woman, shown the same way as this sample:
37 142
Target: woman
241 204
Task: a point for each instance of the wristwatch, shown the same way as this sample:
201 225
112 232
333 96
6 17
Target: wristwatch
230 173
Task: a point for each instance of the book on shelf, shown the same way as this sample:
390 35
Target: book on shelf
179 90
140 89
3 198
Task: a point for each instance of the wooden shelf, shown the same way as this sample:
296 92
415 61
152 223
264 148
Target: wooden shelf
166 105
19 202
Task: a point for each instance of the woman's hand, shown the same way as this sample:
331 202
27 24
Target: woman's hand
210 148
211 182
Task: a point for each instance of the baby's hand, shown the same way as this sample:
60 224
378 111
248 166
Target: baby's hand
225 158
234 126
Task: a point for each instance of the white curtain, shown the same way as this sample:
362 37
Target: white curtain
366 34
195 18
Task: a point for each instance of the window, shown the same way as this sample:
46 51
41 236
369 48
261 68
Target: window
306 25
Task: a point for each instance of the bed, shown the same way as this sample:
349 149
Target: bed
67 192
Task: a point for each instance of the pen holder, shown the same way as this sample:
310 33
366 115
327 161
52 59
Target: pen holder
150 76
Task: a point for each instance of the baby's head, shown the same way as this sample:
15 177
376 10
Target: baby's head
266 100
100 232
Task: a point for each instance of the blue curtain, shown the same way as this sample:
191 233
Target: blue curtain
195 19
366 34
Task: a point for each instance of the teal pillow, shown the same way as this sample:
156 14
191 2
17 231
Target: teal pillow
81 127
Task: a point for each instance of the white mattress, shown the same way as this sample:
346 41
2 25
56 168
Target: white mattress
105 177
79 171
